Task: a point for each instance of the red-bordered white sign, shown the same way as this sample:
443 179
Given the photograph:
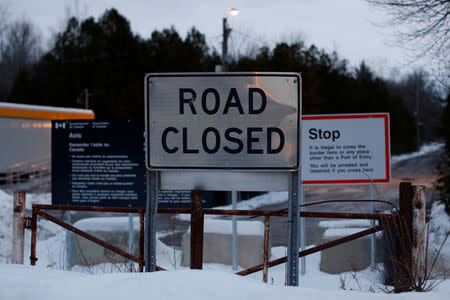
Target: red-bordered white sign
346 149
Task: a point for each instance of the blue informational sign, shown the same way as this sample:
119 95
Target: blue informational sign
98 163
101 163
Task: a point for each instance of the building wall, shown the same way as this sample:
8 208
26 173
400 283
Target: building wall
24 143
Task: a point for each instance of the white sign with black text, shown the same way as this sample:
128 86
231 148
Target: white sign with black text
231 121
346 149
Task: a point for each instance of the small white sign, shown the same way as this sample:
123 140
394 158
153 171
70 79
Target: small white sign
345 149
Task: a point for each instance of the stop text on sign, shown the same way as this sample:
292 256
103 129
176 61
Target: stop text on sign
223 121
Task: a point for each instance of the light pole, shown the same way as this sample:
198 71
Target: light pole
226 33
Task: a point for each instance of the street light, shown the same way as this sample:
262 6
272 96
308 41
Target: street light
233 11
226 33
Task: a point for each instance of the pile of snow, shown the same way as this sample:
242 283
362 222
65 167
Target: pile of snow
439 229
190 284
425 149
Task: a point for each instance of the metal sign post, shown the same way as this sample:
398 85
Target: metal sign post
373 246
293 223
302 231
150 221
234 241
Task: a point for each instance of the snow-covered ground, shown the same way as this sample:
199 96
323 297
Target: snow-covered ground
25 282
49 281
431 147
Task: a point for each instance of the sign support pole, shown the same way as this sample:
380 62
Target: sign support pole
373 246
197 224
293 223
302 231
130 232
150 221
234 241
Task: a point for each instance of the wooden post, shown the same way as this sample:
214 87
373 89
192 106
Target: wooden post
266 248
419 237
196 230
34 217
18 227
402 261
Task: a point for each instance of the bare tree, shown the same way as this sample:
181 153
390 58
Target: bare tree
422 26
3 22
22 44
21 47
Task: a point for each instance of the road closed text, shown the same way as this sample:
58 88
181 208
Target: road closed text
232 140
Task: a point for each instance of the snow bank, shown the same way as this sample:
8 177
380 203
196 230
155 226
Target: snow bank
439 228
25 282
422 151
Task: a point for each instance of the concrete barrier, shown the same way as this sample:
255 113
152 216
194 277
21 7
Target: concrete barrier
217 246
350 256
113 230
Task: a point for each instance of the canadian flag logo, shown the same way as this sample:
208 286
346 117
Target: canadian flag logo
60 125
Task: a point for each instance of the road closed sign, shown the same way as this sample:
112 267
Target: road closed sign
346 149
223 121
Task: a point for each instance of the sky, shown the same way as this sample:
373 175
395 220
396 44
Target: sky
350 27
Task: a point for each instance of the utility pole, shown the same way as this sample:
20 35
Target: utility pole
417 116
226 34
86 98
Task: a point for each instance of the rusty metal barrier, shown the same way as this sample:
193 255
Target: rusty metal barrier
37 210
388 221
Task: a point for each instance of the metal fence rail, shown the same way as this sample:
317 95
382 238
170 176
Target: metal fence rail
388 221
37 210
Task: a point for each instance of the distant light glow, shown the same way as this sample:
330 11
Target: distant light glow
233 11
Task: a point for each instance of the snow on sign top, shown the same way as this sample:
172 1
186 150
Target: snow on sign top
233 121
346 149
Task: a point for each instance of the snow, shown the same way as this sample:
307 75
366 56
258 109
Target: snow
271 198
47 230
427 148
48 281
25 282
45 108
225 227
439 228
335 232
106 224
344 223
